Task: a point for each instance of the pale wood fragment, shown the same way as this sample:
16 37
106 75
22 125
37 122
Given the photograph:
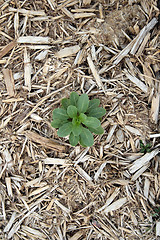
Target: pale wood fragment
83 15
34 40
45 142
133 130
146 187
41 55
7 48
115 205
111 132
110 199
52 4
57 161
84 174
9 187
38 190
99 171
136 81
36 234
142 46
68 51
16 24
67 13
27 69
27 12
142 35
9 81
133 218
143 160
155 106
157 229
94 72
10 222
65 209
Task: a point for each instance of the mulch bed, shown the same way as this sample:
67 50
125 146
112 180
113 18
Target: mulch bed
48 188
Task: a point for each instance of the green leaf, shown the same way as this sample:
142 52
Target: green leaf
94 103
97 112
82 117
65 103
83 103
74 98
56 123
72 111
81 142
65 130
86 138
60 113
98 130
92 122
76 130
73 139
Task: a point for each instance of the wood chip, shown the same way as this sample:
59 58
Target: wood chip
34 40
27 12
9 186
143 160
34 233
83 15
110 199
115 205
133 130
9 81
45 142
155 106
7 48
62 207
157 229
94 72
137 82
57 161
27 69
68 51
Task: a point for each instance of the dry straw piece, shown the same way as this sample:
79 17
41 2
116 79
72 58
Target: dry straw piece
109 50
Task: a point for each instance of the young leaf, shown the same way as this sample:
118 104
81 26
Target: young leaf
56 123
82 117
65 103
60 113
98 130
73 139
72 111
94 103
65 130
81 142
97 112
86 138
74 98
83 103
76 130
92 122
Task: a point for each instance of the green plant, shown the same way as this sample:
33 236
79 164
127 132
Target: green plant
78 117
156 214
145 148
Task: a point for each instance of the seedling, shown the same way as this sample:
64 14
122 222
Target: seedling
145 148
78 117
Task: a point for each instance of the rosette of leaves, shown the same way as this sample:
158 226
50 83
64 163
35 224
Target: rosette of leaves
78 117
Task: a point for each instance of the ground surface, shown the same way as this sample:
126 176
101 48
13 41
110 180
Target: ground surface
109 50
